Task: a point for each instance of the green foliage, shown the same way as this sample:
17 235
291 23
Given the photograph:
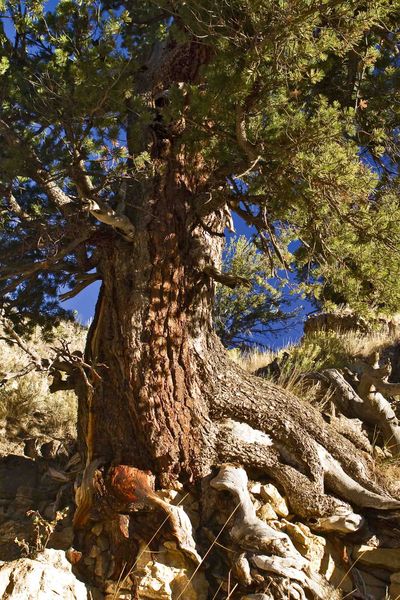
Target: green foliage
243 314
299 99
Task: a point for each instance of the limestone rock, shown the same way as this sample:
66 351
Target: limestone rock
255 488
323 556
166 574
270 494
311 546
266 512
342 321
48 577
386 558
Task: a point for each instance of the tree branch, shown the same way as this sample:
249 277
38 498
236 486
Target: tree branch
97 208
28 269
227 279
83 283
248 148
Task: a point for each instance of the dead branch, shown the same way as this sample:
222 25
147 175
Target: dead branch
227 279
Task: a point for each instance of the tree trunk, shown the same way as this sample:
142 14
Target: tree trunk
150 337
162 402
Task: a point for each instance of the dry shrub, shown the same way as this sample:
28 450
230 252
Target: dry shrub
315 352
252 359
27 408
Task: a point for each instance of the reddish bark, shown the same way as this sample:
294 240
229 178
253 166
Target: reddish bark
152 331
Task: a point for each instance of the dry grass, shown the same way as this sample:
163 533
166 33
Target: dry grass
27 408
315 352
254 359
320 350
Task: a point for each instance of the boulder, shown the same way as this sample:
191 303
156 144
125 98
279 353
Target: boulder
340 321
386 558
48 577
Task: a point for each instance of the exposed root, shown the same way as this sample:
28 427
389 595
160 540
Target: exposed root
327 480
341 483
369 404
306 497
252 534
248 530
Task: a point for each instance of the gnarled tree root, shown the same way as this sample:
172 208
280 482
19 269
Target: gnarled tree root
258 538
326 479
368 404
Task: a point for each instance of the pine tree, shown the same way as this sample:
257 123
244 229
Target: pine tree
257 306
128 132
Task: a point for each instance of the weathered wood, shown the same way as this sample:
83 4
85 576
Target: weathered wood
368 404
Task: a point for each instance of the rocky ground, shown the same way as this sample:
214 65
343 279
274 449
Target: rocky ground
349 556
37 562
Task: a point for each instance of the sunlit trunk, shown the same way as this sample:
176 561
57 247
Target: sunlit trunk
150 337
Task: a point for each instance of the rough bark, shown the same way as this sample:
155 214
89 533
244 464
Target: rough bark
163 403
150 334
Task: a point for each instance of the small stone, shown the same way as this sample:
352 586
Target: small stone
110 586
299 533
271 494
168 495
97 529
255 488
267 513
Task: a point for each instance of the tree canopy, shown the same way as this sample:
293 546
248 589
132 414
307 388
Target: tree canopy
292 119
129 132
